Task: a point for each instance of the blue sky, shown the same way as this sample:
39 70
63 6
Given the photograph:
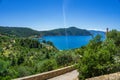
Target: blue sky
51 14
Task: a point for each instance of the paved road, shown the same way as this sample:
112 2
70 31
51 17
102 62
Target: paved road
67 76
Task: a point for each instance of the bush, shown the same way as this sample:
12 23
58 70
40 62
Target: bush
12 72
114 35
3 67
64 59
98 59
23 71
5 78
46 65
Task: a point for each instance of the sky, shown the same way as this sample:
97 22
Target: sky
51 14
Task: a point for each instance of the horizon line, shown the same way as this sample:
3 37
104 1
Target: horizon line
54 28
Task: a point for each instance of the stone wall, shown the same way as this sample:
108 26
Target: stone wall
114 76
47 75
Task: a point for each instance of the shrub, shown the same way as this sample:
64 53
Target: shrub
64 59
3 67
46 65
23 70
98 59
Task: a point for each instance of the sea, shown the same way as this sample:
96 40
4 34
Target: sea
69 42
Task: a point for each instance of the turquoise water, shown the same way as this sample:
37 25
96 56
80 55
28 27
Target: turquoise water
69 42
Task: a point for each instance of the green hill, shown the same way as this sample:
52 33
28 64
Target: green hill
72 31
18 31
27 32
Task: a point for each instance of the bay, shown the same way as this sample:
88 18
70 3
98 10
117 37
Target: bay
68 42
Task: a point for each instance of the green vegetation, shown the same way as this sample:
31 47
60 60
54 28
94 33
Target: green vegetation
18 31
21 56
99 58
27 32
72 31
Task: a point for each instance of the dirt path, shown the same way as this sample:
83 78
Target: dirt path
73 75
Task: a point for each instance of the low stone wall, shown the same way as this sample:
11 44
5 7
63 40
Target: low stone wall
47 75
114 76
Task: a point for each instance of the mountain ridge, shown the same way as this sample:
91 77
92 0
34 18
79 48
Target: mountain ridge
66 31
27 32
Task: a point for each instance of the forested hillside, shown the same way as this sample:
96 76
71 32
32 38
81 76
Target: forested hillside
27 32
18 31
72 31
26 56
100 57
23 56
